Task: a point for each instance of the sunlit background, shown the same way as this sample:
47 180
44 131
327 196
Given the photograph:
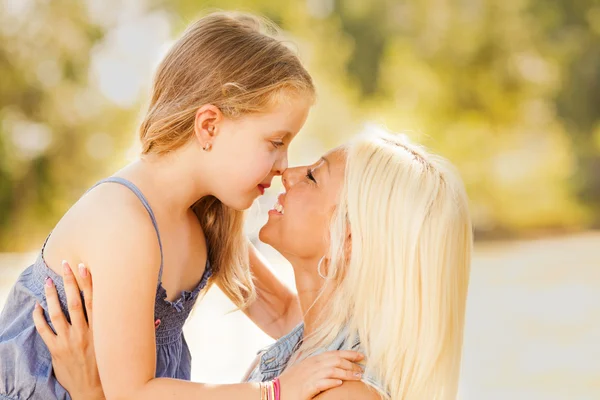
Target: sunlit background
509 90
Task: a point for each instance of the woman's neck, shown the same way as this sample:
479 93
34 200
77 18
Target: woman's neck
312 292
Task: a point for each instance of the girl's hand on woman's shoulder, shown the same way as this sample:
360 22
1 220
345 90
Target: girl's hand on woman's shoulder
317 374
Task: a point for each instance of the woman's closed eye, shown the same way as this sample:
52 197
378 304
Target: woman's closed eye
309 175
277 144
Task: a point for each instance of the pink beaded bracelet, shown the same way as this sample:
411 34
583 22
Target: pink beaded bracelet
270 390
277 387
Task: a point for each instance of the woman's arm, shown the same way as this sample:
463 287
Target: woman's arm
276 310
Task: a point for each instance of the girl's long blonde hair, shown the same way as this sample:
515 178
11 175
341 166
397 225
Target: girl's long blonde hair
236 62
401 279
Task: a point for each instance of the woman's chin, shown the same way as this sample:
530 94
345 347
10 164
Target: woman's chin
266 235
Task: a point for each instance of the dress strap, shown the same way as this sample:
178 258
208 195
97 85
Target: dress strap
140 195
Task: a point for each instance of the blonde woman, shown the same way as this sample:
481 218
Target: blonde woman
227 100
379 236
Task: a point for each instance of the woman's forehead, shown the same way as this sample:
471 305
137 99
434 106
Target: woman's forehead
336 164
336 156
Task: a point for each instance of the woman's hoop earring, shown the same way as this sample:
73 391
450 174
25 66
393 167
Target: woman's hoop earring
319 268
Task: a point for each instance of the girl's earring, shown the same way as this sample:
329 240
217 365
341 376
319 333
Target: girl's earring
208 146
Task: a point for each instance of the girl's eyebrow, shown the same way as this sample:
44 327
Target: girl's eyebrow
284 133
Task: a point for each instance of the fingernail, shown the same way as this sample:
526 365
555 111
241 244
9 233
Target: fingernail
49 282
37 305
66 268
357 374
82 270
339 382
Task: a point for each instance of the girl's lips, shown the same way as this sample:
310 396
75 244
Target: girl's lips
262 188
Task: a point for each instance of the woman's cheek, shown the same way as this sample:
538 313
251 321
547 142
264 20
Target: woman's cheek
298 218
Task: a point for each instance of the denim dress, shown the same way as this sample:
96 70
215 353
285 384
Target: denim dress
274 359
25 362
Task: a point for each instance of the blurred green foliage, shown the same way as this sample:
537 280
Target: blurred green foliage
508 90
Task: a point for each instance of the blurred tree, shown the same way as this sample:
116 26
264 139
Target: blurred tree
573 31
53 123
508 90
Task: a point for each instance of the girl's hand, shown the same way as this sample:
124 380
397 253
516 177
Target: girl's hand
72 346
319 373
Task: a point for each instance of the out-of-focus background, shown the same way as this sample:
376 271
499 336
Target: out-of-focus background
509 90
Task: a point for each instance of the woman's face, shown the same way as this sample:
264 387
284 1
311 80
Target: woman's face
298 225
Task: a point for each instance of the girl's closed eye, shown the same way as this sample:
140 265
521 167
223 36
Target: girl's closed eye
309 175
277 144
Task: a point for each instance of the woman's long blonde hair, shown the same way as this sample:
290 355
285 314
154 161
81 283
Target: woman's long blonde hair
401 279
236 62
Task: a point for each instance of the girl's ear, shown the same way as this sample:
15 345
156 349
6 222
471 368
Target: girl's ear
207 119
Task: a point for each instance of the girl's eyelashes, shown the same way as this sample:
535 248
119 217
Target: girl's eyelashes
277 144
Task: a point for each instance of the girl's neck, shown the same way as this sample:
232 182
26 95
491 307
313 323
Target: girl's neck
167 182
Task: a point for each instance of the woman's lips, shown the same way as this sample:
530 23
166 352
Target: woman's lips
275 212
278 207
280 198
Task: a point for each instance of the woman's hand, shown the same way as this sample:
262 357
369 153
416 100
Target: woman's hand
319 373
72 346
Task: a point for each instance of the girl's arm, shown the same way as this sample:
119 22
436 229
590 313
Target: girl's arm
276 310
122 251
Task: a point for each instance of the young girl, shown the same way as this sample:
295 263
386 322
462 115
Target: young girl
227 100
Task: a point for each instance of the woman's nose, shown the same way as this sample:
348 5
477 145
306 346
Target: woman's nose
290 177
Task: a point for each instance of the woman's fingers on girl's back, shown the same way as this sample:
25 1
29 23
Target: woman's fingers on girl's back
85 279
74 302
42 327
57 317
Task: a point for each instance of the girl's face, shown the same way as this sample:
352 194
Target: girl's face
248 151
298 226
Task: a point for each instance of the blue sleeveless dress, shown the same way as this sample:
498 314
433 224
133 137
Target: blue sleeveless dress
25 362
